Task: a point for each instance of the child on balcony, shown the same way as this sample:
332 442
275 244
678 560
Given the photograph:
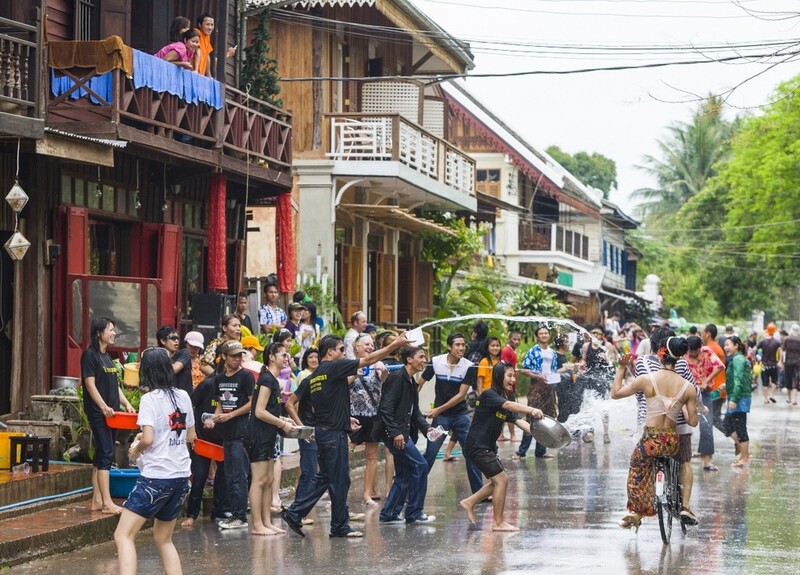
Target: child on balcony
181 53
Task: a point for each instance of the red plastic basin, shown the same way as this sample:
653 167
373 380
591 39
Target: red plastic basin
123 420
208 449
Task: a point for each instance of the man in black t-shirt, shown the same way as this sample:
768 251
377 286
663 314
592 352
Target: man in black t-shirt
330 399
169 339
205 400
299 408
234 390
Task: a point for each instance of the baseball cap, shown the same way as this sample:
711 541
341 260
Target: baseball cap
296 305
231 348
195 338
252 341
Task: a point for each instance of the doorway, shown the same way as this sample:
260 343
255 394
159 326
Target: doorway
6 314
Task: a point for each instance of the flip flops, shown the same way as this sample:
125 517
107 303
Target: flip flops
710 468
351 534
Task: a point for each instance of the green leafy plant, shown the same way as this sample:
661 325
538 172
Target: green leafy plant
326 306
260 71
535 300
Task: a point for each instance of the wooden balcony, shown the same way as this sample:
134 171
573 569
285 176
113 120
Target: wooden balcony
552 238
227 128
20 50
379 138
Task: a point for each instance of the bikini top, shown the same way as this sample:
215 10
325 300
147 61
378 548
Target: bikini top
663 405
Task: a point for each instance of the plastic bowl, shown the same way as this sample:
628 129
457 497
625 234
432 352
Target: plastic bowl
208 449
123 420
299 432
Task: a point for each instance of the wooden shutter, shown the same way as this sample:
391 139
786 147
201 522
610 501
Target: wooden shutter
76 256
169 257
384 289
405 290
424 291
115 19
350 280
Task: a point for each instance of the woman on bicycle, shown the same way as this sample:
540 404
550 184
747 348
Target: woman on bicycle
666 394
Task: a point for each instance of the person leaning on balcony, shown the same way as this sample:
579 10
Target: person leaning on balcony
181 53
205 27
179 25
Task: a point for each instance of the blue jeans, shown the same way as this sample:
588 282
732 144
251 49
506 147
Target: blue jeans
460 425
200 469
333 476
706 445
159 498
410 483
308 466
236 467
525 445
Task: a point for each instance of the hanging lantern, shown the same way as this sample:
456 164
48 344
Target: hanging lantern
17 198
17 245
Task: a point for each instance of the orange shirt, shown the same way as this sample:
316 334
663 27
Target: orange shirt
203 53
719 381
485 371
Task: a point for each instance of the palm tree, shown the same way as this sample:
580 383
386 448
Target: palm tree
689 158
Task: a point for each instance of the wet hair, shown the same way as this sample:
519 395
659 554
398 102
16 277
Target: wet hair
540 328
307 354
299 296
454 336
281 336
189 34
485 352
737 341
96 327
408 352
513 332
694 342
712 330
498 375
672 349
328 343
163 333
561 340
155 371
273 349
659 337
481 329
178 24
202 17
693 330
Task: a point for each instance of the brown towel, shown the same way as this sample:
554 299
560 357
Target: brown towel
103 55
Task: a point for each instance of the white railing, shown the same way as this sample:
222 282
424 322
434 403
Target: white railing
391 137
552 237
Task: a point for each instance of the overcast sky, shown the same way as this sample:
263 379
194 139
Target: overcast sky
620 114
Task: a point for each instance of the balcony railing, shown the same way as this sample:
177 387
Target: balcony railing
553 238
390 137
243 126
19 68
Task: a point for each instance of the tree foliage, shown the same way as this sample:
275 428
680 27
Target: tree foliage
594 169
535 300
260 71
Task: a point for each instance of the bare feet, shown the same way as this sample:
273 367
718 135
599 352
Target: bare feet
262 531
505 527
470 511
188 522
370 503
96 506
275 509
112 509
276 530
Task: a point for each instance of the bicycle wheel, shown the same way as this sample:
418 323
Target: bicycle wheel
677 499
663 500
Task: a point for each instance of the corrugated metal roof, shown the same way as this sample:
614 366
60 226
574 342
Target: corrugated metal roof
105 142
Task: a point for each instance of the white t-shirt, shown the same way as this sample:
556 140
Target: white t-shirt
349 341
168 457
547 364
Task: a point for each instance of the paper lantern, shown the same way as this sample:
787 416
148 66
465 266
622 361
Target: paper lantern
16 246
17 198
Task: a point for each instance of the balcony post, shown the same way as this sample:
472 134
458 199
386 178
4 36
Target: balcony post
553 232
38 90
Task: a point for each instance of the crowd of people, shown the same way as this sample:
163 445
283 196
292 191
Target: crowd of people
245 393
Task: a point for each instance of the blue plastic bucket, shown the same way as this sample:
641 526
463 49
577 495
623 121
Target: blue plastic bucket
123 481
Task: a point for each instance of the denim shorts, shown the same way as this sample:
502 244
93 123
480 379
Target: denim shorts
159 498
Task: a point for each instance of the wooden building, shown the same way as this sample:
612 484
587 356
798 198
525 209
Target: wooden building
137 188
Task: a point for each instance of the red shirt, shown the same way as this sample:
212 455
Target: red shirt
508 355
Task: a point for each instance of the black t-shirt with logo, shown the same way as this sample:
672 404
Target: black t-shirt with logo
261 431
233 392
488 421
330 393
183 379
99 366
205 400
304 410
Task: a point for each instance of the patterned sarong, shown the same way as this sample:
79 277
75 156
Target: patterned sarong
655 442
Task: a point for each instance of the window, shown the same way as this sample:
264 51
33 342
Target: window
87 20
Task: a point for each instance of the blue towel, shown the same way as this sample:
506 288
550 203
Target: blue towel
162 76
101 85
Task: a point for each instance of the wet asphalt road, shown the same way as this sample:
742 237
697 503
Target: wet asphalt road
567 508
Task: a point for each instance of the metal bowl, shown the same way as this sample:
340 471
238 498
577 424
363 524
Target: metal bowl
300 432
62 381
550 432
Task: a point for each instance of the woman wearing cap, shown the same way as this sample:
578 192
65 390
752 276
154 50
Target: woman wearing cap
231 331
195 342
296 311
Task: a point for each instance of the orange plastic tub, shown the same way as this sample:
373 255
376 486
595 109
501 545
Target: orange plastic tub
208 449
122 420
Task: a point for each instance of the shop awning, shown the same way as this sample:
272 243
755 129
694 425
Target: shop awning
394 217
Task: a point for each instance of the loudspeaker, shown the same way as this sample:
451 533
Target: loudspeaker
208 309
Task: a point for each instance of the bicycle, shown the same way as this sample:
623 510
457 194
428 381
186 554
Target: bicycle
668 496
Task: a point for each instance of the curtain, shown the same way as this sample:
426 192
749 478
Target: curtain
284 245
217 264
